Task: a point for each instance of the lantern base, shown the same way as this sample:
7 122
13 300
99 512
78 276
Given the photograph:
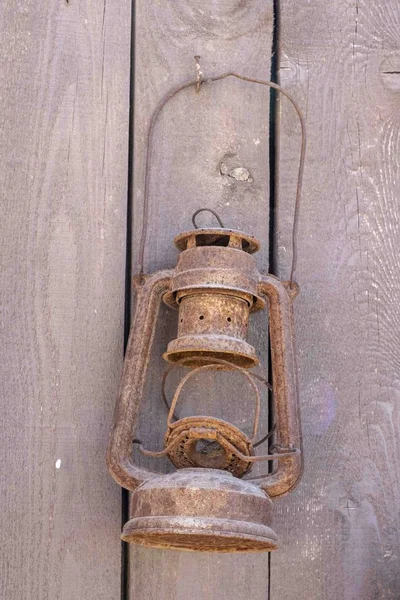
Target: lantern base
200 533
201 509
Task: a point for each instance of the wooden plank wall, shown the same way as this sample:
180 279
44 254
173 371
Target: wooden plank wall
197 140
64 109
64 120
340 531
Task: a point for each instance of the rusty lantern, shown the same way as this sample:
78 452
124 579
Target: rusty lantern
206 504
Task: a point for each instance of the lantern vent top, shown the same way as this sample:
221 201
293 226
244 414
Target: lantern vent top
228 238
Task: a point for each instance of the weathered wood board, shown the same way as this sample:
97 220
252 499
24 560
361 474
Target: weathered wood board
340 530
64 109
199 139
64 123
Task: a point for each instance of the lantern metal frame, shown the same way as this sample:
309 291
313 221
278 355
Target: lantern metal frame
164 285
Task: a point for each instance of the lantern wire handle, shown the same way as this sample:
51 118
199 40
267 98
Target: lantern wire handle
281 452
197 83
204 359
209 367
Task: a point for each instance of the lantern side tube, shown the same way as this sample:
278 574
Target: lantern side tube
285 392
141 335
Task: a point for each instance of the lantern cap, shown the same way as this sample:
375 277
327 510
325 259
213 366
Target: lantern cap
216 260
217 236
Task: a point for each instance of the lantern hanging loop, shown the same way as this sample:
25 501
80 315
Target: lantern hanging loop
197 84
200 210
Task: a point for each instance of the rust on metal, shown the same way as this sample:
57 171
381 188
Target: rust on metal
119 453
215 287
201 509
209 442
285 389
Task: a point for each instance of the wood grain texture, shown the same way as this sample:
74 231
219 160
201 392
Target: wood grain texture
339 531
199 139
64 121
